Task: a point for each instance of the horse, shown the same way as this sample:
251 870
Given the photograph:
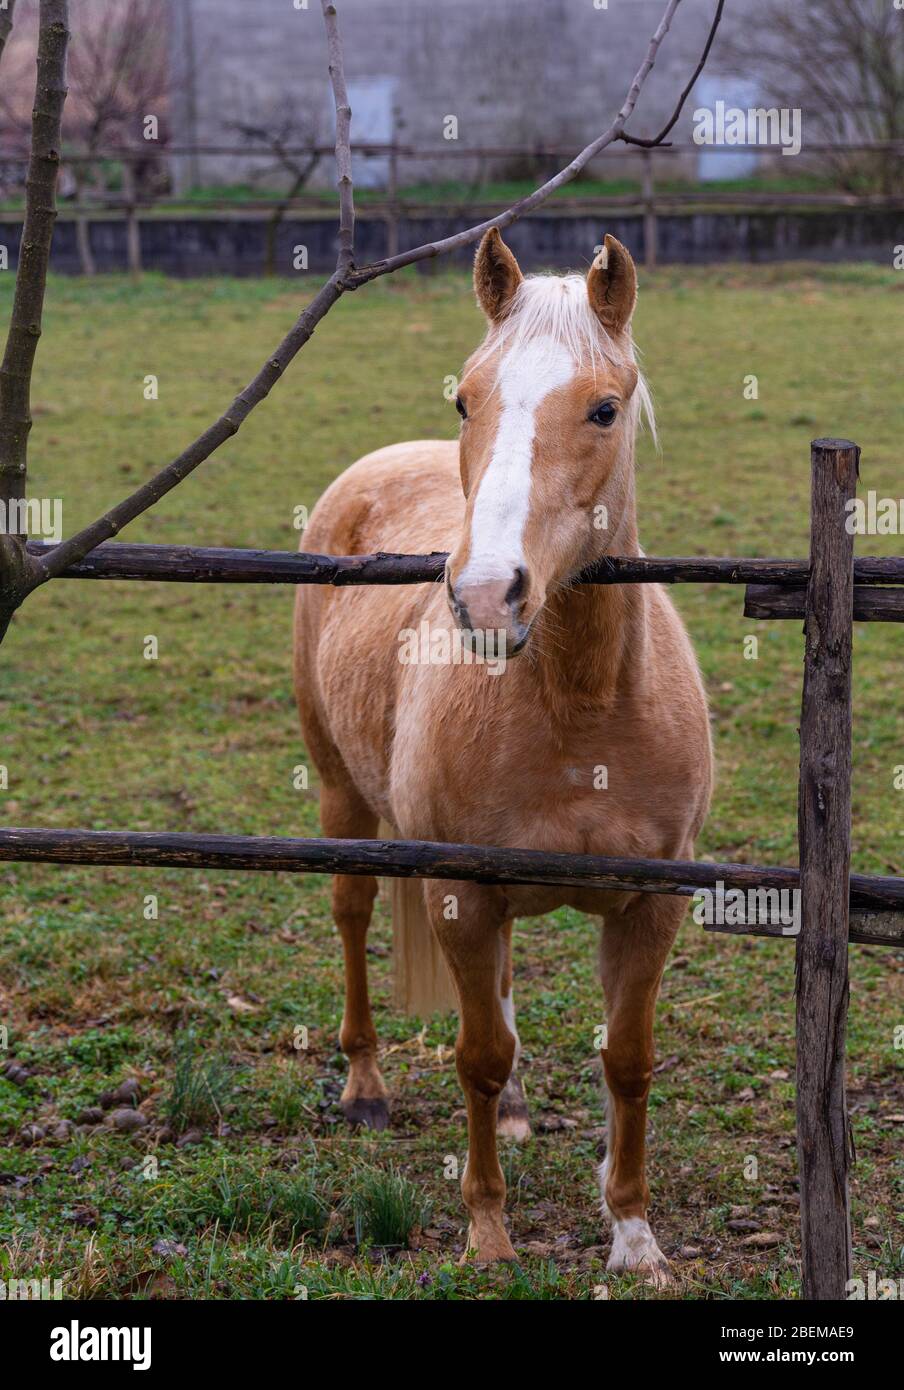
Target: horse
590 735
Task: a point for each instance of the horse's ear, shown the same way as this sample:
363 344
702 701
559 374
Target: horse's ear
496 276
612 286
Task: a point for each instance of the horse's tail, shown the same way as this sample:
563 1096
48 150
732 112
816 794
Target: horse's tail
421 981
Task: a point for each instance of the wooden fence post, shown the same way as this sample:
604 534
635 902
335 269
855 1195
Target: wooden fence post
392 187
133 228
650 235
824 830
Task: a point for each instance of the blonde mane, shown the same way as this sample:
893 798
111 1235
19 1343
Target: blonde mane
556 308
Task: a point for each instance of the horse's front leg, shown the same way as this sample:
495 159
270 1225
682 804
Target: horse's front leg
469 921
633 951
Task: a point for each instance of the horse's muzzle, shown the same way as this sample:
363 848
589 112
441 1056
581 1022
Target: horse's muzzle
494 605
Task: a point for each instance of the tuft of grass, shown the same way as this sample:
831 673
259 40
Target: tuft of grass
200 1087
387 1207
285 1100
241 1200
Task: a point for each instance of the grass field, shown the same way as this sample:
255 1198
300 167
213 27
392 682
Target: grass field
264 1193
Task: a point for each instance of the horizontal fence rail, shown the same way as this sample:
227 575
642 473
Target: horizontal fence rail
871 896
140 154
190 564
870 605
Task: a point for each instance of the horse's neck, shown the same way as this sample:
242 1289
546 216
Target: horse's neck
593 636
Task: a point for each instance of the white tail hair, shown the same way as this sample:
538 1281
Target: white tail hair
422 984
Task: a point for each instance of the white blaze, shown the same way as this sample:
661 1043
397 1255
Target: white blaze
527 374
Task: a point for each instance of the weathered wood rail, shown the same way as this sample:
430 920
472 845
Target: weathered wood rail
876 901
870 605
829 591
191 564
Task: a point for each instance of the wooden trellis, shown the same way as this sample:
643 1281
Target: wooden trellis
836 906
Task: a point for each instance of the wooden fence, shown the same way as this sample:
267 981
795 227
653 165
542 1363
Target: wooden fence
132 203
829 591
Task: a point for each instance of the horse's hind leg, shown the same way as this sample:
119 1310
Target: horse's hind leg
513 1121
364 1101
633 951
484 1050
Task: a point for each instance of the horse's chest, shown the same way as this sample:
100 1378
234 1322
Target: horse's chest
506 777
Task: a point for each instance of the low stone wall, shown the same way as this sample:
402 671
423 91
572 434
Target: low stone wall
236 245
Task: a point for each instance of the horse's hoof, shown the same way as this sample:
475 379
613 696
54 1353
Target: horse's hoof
514 1124
477 1258
634 1251
656 1273
512 1118
494 1248
372 1114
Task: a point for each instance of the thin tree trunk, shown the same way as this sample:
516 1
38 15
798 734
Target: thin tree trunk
28 300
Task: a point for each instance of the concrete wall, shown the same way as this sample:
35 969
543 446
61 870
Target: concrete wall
512 71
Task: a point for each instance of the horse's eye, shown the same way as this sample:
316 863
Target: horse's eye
603 414
460 407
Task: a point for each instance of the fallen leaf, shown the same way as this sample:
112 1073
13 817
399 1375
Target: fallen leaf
238 1005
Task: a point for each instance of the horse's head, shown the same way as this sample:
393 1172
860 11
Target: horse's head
549 406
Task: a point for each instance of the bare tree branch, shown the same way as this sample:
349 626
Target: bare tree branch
79 545
16 571
345 258
660 139
851 83
361 276
229 423
278 139
345 277
6 24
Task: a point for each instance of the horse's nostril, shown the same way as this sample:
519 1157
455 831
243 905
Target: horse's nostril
459 609
517 587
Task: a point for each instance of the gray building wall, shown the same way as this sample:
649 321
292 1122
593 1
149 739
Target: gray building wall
513 72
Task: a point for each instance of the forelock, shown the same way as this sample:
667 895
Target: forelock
556 309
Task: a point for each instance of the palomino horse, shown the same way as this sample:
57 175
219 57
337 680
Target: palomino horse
596 740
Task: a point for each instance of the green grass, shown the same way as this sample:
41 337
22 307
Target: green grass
509 190
199 1090
388 1207
262 1203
